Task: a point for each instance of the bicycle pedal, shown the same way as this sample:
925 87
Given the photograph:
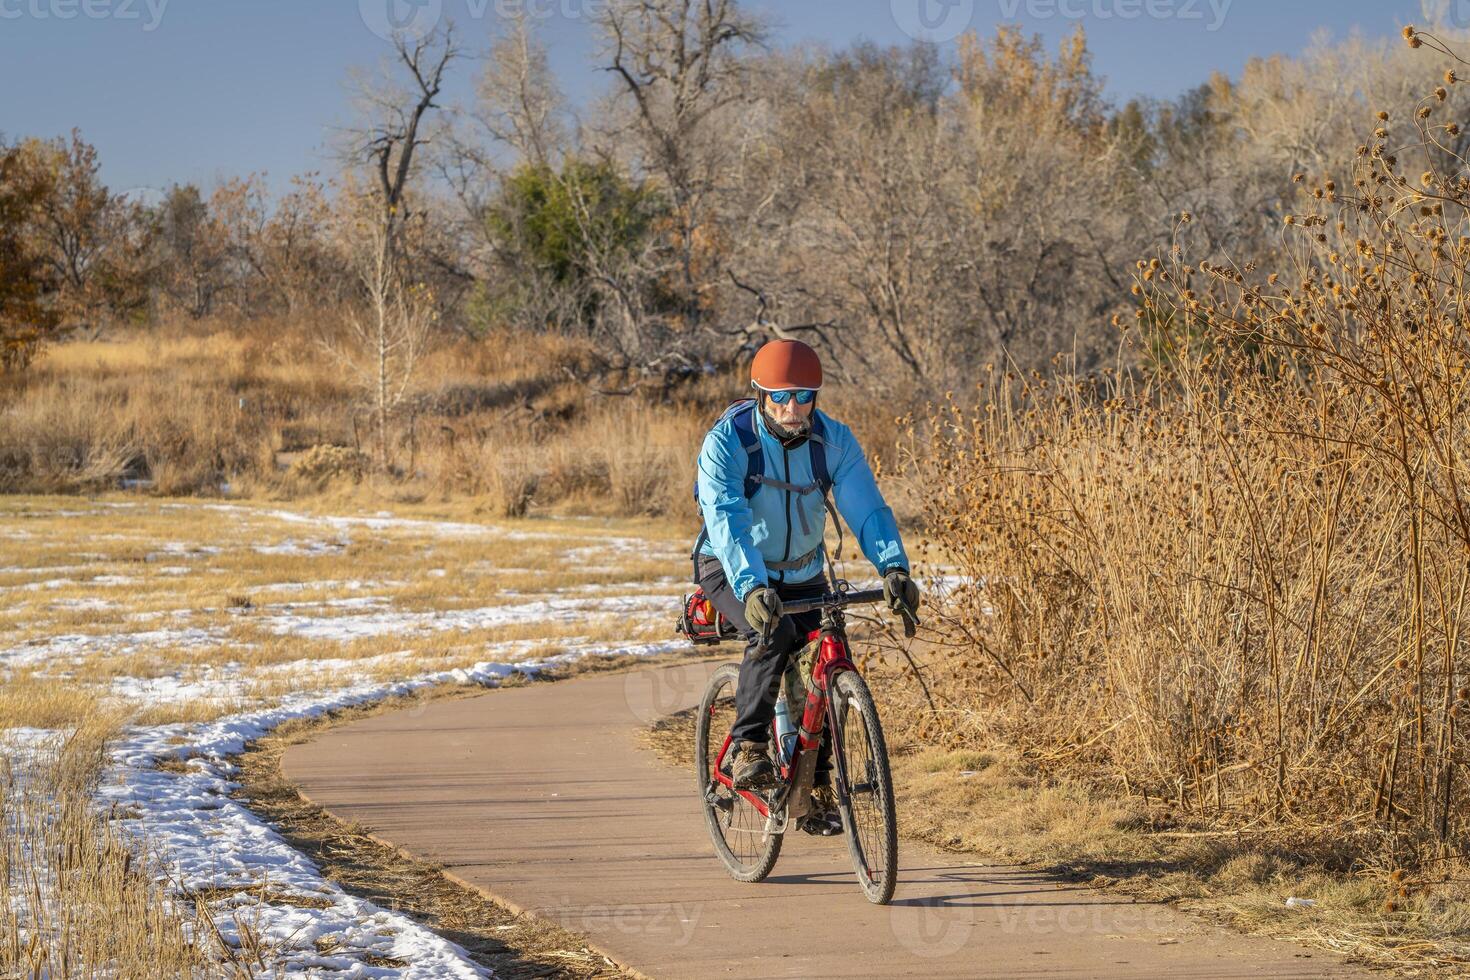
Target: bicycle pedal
819 827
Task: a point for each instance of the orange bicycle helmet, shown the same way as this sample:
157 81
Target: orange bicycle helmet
786 364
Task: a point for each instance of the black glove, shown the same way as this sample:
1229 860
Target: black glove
901 592
762 606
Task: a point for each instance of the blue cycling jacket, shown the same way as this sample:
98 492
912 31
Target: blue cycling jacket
779 525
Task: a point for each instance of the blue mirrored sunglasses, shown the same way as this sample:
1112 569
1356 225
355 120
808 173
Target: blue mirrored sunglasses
804 396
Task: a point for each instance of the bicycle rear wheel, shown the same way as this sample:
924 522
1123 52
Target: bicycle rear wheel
867 808
735 826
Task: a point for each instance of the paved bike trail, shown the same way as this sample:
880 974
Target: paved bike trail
544 797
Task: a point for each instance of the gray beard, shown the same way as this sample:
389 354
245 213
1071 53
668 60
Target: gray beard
799 431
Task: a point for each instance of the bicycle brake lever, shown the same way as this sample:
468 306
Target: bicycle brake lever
910 624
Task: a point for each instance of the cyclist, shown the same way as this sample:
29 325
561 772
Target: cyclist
764 471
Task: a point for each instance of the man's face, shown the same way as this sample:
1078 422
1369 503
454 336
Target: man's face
791 415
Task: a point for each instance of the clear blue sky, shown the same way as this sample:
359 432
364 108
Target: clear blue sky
198 90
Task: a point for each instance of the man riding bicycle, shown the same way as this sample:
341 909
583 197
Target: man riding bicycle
764 473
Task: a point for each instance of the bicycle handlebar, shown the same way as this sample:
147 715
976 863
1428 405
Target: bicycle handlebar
831 600
836 600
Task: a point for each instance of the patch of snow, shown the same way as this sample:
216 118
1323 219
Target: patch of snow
179 549
352 584
215 844
92 604
76 645
293 547
346 628
379 523
50 583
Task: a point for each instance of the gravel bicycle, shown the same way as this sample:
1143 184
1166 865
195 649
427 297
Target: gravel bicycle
747 826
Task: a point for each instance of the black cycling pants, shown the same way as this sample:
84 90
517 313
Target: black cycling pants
761 670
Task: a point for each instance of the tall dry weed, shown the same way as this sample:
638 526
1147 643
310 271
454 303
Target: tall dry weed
1238 580
77 900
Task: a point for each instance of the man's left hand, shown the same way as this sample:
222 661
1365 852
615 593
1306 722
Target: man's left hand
901 592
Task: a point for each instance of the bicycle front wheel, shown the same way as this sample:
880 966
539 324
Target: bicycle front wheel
867 805
737 828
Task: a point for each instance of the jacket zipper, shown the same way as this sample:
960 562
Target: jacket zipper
786 553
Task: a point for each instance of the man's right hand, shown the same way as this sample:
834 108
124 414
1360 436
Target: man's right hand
762 607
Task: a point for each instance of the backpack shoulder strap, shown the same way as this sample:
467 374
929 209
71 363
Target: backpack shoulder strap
742 415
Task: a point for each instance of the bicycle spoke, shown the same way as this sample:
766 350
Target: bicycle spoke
867 810
738 829
872 831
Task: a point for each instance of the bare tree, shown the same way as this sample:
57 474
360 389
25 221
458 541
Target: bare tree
520 105
519 119
385 337
397 124
387 331
679 62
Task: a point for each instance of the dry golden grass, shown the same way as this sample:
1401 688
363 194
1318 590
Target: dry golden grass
138 590
141 612
76 899
1230 589
258 407
44 702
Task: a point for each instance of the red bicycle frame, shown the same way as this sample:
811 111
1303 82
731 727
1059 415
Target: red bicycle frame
832 658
